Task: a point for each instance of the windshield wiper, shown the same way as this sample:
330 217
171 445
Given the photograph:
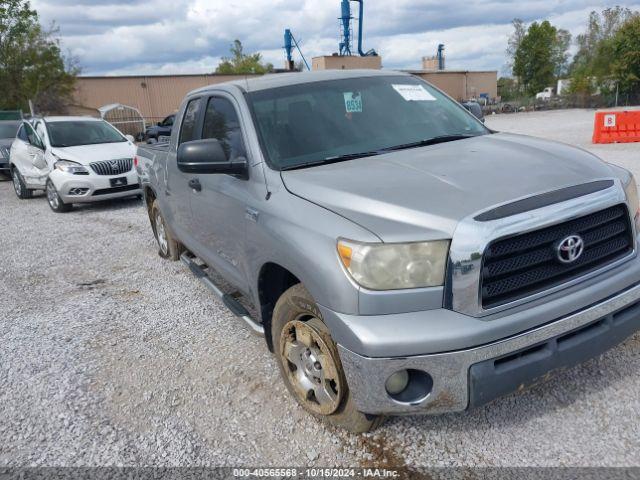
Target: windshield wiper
428 141
334 159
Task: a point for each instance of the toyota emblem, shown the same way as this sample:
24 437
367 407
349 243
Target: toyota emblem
570 249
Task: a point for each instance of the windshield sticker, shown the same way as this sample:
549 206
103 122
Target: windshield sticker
353 102
414 93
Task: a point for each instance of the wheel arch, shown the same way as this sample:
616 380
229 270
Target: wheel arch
273 281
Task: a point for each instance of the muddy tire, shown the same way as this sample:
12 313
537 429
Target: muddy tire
310 365
168 246
22 192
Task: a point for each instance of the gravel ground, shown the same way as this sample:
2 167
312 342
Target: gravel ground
111 356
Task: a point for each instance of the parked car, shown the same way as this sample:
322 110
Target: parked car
545 95
74 159
401 257
162 129
475 109
8 129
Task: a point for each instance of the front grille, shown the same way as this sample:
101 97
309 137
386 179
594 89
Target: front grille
519 266
113 167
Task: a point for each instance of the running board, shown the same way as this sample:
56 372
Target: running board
231 303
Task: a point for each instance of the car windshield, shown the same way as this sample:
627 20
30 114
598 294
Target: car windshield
8 130
72 133
328 121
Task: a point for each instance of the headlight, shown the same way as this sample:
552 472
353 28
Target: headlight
395 266
73 168
631 190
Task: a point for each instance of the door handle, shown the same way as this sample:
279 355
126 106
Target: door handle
195 185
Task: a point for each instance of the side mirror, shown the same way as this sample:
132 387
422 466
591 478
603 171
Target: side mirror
130 138
208 156
159 124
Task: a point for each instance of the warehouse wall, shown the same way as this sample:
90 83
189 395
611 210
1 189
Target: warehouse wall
158 96
462 85
155 96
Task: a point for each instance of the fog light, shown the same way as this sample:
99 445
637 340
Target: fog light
397 382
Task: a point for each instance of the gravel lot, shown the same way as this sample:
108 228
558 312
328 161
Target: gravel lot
111 356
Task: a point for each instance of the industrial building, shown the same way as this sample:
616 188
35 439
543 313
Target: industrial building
158 96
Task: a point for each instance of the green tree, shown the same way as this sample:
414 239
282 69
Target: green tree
625 47
541 56
241 63
592 64
32 66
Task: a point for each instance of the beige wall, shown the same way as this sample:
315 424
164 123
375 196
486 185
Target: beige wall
158 96
154 96
346 63
463 85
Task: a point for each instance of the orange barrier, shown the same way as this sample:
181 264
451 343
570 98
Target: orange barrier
617 127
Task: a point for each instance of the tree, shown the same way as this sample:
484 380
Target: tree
592 64
515 39
241 63
541 56
625 46
32 66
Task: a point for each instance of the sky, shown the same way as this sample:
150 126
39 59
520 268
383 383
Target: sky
147 37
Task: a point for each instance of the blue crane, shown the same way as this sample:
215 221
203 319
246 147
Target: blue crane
346 18
289 43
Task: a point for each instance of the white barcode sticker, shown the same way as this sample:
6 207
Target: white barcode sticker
414 93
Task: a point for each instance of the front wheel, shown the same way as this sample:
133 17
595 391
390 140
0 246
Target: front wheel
20 187
54 200
310 365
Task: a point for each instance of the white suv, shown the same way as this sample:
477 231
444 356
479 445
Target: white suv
74 159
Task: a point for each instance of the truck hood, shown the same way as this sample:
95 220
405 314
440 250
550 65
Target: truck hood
422 193
85 154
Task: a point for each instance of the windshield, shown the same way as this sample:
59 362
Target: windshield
323 121
78 132
8 130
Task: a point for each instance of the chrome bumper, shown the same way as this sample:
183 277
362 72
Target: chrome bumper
450 371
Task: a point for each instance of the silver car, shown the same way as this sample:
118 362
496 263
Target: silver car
401 257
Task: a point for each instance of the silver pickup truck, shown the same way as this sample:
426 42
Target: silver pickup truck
398 256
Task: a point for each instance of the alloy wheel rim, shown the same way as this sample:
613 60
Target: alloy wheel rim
161 234
311 367
52 195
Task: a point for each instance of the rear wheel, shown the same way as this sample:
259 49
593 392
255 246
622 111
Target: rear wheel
168 246
22 192
310 365
54 200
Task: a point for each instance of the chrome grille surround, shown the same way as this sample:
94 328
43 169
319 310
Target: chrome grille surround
471 239
117 166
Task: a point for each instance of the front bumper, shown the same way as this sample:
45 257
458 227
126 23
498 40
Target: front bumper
474 376
94 188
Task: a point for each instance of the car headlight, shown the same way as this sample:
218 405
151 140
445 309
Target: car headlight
631 191
395 266
73 168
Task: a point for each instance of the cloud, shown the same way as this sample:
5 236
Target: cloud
190 36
